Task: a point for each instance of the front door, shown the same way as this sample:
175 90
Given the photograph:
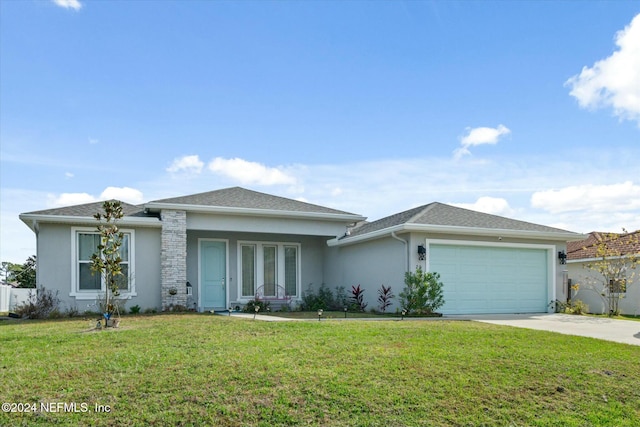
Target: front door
213 271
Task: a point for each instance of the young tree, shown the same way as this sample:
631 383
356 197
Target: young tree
614 267
22 274
27 276
9 271
107 261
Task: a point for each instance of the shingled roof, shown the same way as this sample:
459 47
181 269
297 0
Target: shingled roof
88 210
624 244
241 198
440 214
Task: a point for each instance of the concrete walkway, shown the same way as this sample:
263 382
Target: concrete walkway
261 317
622 331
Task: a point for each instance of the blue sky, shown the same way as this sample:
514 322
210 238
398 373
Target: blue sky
524 109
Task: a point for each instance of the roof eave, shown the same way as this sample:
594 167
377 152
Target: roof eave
459 230
155 206
31 220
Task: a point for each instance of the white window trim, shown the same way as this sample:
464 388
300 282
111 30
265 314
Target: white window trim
92 294
259 273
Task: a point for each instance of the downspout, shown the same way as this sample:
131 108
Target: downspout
406 251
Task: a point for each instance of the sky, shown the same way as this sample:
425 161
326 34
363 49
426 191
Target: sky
529 110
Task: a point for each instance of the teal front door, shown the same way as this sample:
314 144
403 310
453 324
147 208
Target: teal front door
213 272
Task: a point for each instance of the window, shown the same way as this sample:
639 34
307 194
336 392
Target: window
248 273
291 270
87 283
618 286
87 246
269 266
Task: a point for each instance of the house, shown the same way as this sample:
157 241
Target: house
591 288
218 249
213 250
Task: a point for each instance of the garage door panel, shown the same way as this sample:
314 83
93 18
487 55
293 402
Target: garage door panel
484 279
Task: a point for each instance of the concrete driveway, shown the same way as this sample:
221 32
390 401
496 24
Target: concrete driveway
623 331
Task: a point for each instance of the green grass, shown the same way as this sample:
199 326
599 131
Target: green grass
195 370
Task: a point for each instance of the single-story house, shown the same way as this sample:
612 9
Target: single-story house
590 284
213 250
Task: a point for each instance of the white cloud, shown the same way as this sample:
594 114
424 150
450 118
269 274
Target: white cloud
614 81
70 199
125 194
69 4
479 136
620 197
246 172
187 164
68 175
93 141
490 205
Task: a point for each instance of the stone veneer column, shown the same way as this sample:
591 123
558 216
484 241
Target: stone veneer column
173 258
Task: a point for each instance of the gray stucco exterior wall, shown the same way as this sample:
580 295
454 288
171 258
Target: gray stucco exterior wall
56 260
590 283
368 264
385 261
312 251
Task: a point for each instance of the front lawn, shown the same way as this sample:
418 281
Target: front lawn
197 370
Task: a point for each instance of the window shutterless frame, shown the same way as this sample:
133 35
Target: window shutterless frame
268 265
88 286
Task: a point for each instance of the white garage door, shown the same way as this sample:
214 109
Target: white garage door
483 279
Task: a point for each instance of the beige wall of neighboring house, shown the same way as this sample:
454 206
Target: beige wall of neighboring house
590 284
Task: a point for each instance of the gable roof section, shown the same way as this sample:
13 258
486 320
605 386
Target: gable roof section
88 210
625 244
442 218
237 200
81 214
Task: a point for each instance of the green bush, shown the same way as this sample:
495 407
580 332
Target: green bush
570 307
135 309
422 293
324 299
250 307
341 300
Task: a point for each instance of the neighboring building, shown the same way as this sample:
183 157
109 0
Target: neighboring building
591 283
220 248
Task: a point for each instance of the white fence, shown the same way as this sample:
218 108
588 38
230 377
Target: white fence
10 297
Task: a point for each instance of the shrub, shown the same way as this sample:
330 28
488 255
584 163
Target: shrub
39 306
134 309
422 293
250 307
384 297
357 298
322 300
570 307
341 299
72 311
